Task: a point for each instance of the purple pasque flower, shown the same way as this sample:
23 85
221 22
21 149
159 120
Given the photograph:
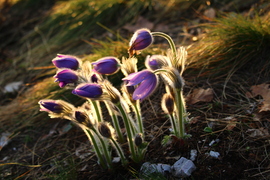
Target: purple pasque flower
107 65
66 76
50 106
140 40
88 90
66 61
155 62
148 82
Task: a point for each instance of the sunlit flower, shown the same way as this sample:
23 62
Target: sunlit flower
155 62
66 61
113 93
167 103
106 65
50 106
81 116
147 81
172 77
106 130
54 106
140 40
88 90
65 77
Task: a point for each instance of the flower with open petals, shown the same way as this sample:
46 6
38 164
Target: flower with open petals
65 77
106 65
88 90
140 40
147 81
66 61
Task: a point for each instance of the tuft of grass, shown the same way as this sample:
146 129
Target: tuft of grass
233 43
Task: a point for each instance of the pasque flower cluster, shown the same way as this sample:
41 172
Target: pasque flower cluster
88 81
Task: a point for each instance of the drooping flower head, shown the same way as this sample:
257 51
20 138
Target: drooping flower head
107 65
167 103
140 40
112 93
147 81
172 77
155 62
66 76
82 117
55 106
50 106
88 90
66 61
106 130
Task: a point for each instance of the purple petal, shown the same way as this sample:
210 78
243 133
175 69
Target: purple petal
49 106
66 76
141 39
106 65
66 61
145 89
136 78
89 90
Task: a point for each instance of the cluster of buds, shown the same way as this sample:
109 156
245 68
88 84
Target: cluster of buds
87 81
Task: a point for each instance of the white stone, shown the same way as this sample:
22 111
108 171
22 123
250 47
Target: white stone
13 87
193 154
214 154
183 168
147 168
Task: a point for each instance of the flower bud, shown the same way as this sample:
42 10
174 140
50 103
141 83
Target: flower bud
138 140
81 117
88 90
112 92
140 40
172 77
105 130
155 62
65 77
106 65
66 61
167 103
55 106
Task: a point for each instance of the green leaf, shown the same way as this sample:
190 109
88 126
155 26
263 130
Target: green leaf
208 129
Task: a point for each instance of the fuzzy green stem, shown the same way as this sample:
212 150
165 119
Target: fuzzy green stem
104 147
118 128
168 38
130 131
180 111
139 117
120 152
96 148
115 123
173 122
97 110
